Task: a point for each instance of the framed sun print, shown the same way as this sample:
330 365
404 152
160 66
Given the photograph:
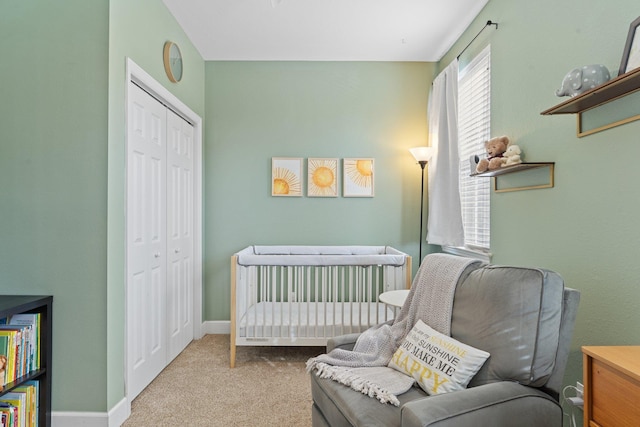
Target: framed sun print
358 177
631 54
322 177
286 176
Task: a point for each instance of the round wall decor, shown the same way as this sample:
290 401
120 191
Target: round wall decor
172 61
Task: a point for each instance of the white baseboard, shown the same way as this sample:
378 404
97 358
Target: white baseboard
114 418
119 413
217 327
79 419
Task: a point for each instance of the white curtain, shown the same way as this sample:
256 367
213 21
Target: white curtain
445 214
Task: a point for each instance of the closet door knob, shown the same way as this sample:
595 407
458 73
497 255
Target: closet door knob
156 255
177 250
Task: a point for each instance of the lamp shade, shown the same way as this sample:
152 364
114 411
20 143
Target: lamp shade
422 154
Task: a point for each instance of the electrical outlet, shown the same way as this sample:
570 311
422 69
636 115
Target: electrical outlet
579 390
576 401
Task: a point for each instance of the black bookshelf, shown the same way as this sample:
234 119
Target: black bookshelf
15 304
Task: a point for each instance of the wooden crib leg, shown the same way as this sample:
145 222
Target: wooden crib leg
232 352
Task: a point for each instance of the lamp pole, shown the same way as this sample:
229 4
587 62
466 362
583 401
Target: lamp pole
422 156
422 163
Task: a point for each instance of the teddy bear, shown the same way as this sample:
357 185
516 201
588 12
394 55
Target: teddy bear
512 155
495 148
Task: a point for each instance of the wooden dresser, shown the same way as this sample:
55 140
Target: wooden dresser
611 377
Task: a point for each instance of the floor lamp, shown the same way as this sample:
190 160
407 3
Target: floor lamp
422 156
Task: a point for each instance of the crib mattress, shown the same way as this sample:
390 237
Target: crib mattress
301 319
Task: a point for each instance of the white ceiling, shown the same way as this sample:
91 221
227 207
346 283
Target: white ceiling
324 30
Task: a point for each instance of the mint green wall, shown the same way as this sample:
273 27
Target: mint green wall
259 110
585 228
137 30
62 172
53 177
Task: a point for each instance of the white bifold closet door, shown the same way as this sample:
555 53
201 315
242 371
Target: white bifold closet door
179 233
159 223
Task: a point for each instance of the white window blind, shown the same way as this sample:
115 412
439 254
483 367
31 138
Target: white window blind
474 119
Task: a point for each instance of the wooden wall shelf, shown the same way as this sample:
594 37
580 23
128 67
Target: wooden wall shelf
518 168
615 88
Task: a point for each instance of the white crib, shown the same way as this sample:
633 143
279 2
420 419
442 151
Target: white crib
304 295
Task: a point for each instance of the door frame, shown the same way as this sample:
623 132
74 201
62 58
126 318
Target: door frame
134 73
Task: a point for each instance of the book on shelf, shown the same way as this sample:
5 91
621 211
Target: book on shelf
35 387
20 343
31 403
4 350
13 353
19 400
20 405
32 321
9 414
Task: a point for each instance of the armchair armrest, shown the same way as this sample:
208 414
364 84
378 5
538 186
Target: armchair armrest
502 404
345 342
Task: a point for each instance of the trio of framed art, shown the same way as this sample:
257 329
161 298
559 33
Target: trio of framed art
322 177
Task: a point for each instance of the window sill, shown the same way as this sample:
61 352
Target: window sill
482 255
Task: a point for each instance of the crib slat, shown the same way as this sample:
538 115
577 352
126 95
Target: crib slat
280 297
340 300
268 325
297 285
353 290
277 282
334 297
369 292
307 301
316 290
324 300
358 294
374 295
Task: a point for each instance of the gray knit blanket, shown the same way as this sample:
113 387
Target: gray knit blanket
365 368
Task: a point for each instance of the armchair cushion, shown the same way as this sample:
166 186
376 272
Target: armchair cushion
514 314
505 404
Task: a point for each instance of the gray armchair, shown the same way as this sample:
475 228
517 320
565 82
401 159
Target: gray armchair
523 317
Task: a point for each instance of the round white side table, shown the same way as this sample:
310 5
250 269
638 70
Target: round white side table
394 298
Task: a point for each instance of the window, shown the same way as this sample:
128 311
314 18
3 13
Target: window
474 119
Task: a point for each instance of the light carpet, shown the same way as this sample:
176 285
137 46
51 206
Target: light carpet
268 387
